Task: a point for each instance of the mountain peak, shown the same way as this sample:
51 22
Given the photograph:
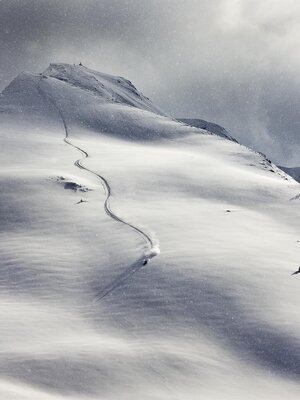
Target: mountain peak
107 87
62 79
97 101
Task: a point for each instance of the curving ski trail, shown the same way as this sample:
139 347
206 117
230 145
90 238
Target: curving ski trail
108 191
153 250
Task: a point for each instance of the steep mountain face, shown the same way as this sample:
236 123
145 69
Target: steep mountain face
140 258
294 172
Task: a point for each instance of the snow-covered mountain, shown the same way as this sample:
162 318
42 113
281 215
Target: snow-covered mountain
208 126
140 258
294 172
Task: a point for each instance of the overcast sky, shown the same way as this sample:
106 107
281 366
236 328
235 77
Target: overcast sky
233 62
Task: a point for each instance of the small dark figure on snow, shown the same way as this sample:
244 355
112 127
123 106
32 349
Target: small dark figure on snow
296 272
81 201
80 64
145 262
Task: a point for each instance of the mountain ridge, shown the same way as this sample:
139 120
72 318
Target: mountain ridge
208 126
294 172
101 102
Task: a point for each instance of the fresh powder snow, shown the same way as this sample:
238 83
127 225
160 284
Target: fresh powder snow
141 258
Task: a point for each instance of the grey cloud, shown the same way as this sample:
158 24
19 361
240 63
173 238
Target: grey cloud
234 62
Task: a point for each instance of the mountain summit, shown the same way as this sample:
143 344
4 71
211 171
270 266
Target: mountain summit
104 86
87 98
67 77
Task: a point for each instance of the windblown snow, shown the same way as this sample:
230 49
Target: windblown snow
96 180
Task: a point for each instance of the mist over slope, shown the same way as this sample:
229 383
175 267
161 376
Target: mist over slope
95 180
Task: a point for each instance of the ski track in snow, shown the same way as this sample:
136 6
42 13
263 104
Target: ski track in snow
138 264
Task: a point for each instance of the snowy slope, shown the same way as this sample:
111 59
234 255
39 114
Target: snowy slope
208 126
294 172
214 315
86 99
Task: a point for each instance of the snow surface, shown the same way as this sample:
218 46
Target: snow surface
208 126
214 315
292 171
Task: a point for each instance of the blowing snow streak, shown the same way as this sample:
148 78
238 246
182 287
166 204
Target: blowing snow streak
153 249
